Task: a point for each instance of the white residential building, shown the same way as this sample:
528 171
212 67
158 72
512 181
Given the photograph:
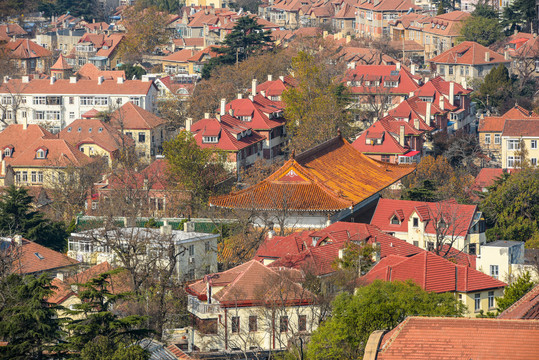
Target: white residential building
56 103
197 252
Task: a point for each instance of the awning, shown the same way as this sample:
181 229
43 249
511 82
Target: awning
411 153
450 123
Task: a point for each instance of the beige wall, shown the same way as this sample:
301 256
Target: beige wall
532 156
491 147
468 299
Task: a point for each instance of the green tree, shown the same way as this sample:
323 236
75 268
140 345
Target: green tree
193 168
104 348
495 87
93 318
132 71
18 218
511 206
512 293
316 107
482 30
246 38
483 9
27 321
379 306
441 9
521 13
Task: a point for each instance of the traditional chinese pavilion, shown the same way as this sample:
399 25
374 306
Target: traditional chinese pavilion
330 182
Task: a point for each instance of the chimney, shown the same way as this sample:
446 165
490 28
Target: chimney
6 79
427 79
72 79
487 56
412 69
348 38
410 94
206 115
452 93
263 93
253 87
270 77
25 79
352 65
120 80
506 55
271 233
251 97
53 79
100 80
188 123
341 253
416 123
223 105
428 113
24 123
398 66
240 96
231 112
441 103
60 276
281 78
4 169
401 136
18 240
166 229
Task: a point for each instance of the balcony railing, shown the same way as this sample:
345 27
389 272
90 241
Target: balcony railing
196 306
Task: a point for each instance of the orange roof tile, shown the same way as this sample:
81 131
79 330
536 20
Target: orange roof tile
64 86
470 53
59 153
35 258
526 307
180 56
26 49
19 138
422 338
523 127
89 71
61 64
135 117
328 177
487 176
95 131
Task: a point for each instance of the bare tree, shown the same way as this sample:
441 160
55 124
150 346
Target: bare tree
12 100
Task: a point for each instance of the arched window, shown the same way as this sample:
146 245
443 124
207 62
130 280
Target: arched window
41 154
7 152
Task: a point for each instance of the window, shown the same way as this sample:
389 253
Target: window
253 325
18 176
34 176
416 243
86 100
71 100
24 176
283 324
430 246
90 130
302 323
534 144
101 100
71 116
416 222
54 100
512 161
487 138
472 249
40 176
494 271
7 100
497 139
40 100
39 115
210 139
477 300
491 299
191 250
533 161
130 134
100 129
141 137
40 154
235 324
7 152
513 144
135 100
52 115
450 68
386 158
395 220
191 274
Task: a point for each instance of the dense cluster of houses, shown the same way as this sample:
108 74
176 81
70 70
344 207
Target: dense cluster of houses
70 104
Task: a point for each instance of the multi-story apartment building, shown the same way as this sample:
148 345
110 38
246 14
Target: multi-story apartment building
373 16
56 103
518 138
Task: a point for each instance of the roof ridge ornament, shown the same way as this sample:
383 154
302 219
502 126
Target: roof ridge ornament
293 154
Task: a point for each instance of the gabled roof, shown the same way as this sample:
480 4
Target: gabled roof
61 64
95 131
448 24
530 49
426 338
35 258
497 123
365 56
258 113
432 273
64 86
59 153
438 86
526 307
181 56
276 87
518 112
251 284
19 138
26 49
458 216
226 130
414 108
329 177
523 127
487 176
406 82
131 116
89 71
387 5
470 53
10 30
377 131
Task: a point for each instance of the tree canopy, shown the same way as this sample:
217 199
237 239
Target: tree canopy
495 87
482 30
520 13
18 218
379 306
246 38
512 293
511 206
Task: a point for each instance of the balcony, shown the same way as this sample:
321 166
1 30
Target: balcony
195 306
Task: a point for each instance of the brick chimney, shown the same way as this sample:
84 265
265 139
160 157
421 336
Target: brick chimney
428 113
222 110
253 87
401 136
188 124
487 56
452 93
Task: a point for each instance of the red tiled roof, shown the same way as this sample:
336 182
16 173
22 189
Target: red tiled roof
460 216
64 86
491 124
59 153
247 285
181 56
95 131
328 177
276 87
26 49
153 177
497 123
526 307
525 127
226 130
387 5
10 30
365 56
423 338
468 52
259 118
132 116
61 64
18 138
487 176
405 80
89 71
178 353
518 112
35 258
432 273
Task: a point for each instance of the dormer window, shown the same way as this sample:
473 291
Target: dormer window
8 151
100 130
79 129
210 139
69 129
41 154
90 130
245 118
395 220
